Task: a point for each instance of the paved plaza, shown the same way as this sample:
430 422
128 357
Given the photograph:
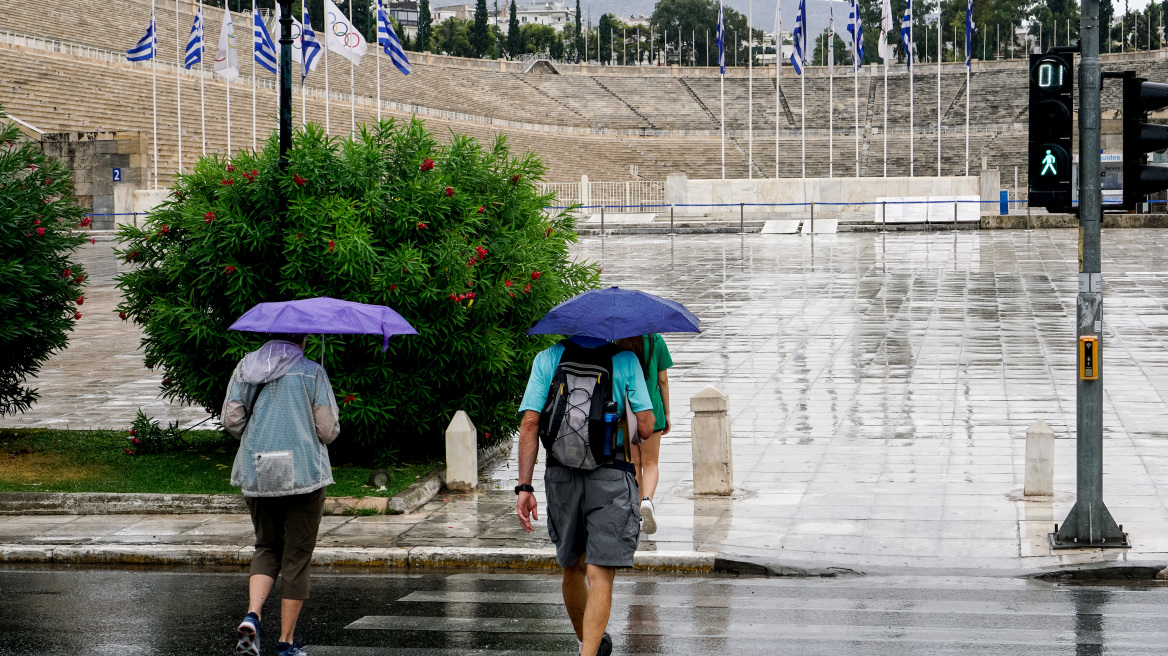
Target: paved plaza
880 390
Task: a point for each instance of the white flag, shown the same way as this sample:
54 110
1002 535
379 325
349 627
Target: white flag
340 35
831 41
883 49
226 57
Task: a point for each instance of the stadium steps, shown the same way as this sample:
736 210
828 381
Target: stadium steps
626 104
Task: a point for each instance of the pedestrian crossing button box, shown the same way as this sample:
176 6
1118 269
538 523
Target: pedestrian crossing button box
1089 357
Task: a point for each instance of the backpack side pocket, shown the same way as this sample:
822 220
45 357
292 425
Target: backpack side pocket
275 472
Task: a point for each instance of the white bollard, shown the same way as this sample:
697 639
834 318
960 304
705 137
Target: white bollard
462 454
713 466
1039 460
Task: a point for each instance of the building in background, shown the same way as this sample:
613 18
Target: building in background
639 20
555 14
405 12
461 12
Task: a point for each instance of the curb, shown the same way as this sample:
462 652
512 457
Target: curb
114 503
514 558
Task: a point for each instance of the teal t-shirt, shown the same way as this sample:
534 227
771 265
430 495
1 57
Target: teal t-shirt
657 360
626 374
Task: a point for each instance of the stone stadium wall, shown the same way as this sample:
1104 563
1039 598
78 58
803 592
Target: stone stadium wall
62 70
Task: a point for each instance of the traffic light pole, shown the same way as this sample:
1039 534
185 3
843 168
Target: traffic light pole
1089 523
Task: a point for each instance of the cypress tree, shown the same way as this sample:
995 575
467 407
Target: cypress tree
514 36
579 35
423 37
479 35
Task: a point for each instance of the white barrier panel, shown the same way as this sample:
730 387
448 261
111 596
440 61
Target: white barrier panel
941 208
934 209
903 209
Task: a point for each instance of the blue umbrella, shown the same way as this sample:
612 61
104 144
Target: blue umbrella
614 313
324 315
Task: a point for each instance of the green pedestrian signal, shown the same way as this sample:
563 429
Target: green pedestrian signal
1048 164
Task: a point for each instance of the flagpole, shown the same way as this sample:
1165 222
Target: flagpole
911 100
830 51
803 100
939 94
178 51
967 118
721 85
202 77
856 94
377 57
253 75
154 85
352 74
328 129
750 93
778 75
303 71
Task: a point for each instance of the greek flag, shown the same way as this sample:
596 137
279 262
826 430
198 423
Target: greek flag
721 41
265 50
857 32
387 39
799 36
968 33
906 33
147 45
195 45
309 47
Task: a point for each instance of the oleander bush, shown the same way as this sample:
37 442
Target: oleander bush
40 282
454 237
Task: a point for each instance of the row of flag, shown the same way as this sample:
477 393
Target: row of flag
340 37
856 30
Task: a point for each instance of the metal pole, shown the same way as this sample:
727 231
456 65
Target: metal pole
671 219
1089 522
883 216
812 217
741 218
285 82
602 220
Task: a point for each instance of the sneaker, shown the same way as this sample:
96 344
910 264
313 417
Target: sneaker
294 649
649 524
249 636
605 645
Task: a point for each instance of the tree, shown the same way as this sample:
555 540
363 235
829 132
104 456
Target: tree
514 36
579 41
41 298
604 40
479 35
424 20
696 19
538 38
842 57
454 237
556 48
452 37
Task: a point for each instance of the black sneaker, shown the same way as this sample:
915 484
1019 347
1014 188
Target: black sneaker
249 636
605 645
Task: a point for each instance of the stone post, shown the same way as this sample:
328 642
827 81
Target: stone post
713 466
1039 460
462 454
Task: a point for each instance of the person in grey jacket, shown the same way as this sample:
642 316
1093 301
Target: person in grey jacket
282 407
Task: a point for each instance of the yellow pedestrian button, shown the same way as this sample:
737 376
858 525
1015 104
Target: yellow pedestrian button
1089 357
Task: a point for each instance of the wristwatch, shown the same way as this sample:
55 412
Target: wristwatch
524 488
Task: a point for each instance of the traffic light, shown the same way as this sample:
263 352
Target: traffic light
1140 138
1052 125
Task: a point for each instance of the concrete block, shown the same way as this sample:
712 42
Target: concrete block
713 466
780 227
462 456
1039 460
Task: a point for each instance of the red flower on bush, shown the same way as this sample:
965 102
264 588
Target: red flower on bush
515 180
66 273
393 287
507 284
92 241
421 226
129 452
449 191
230 168
165 381
549 233
133 432
482 209
229 270
76 315
535 275
332 246
81 301
481 251
85 221
80 278
299 181
165 229
223 182
135 441
428 164
122 316
40 231
349 398
527 288
37 222
209 217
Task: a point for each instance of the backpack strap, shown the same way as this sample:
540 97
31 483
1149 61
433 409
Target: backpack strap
251 407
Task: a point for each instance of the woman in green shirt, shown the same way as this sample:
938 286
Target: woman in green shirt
655 361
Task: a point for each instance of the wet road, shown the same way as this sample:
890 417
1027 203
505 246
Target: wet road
94 611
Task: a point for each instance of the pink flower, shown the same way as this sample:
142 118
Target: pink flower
449 191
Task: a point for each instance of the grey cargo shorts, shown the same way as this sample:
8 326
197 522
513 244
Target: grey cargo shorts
592 512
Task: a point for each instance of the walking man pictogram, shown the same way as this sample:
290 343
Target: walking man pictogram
1048 163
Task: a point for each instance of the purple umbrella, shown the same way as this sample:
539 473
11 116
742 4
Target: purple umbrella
324 315
614 313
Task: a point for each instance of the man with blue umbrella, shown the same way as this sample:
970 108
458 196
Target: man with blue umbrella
587 403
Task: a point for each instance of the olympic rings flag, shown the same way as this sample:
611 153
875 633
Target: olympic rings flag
340 35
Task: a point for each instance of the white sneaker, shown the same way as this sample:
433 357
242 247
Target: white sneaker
648 523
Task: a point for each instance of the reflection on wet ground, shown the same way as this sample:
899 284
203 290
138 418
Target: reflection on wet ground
508 614
880 390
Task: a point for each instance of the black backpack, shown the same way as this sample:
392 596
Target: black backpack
578 425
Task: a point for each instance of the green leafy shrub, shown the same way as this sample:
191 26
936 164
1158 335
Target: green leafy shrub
454 237
41 286
148 437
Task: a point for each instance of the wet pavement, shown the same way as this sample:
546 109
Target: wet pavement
880 389
94 611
